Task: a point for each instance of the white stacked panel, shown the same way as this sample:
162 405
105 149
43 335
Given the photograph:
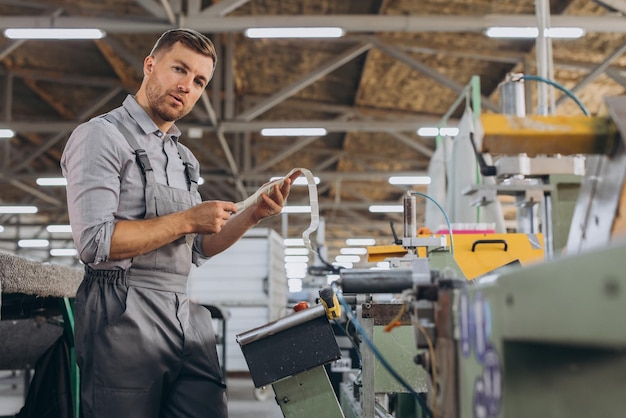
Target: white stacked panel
248 283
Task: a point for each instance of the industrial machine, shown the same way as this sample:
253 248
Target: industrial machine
290 354
497 325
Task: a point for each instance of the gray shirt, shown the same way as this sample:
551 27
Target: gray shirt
105 183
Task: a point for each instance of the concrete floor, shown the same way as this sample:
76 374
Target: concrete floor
11 392
244 401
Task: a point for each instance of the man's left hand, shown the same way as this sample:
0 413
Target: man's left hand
271 204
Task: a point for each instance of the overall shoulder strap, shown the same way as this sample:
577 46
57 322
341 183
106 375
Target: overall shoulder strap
191 179
140 153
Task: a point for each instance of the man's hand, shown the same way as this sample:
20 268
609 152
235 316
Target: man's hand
209 217
271 204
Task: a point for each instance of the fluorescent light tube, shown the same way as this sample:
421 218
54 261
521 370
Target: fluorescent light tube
434 131
293 242
565 33
386 208
347 259
361 241
409 180
63 252
296 259
320 32
33 243
59 228
53 33
296 251
296 266
293 132
51 181
353 251
18 209
6 133
532 32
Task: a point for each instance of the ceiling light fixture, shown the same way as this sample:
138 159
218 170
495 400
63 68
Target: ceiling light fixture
353 251
347 259
33 243
293 242
293 132
51 181
296 259
6 133
319 32
386 208
434 131
297 266
361 242
63 252
296 251
53 33
59 228
18 209
532 32
409 180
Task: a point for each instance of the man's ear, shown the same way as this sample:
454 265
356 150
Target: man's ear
148 65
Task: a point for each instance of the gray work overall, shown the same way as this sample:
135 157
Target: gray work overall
142 348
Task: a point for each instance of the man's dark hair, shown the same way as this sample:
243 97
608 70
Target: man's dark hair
188 37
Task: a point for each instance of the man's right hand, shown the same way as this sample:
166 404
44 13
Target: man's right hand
209 217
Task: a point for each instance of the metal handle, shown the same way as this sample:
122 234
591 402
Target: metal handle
489 241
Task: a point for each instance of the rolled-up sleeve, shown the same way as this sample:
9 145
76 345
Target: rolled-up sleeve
92 163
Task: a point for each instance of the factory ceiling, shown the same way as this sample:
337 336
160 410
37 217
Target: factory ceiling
400 65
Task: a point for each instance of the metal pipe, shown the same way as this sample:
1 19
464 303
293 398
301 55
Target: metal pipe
543 44
350 23
375 281
281 324
410 215
512 95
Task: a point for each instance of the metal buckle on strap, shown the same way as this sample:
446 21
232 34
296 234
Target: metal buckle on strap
142 158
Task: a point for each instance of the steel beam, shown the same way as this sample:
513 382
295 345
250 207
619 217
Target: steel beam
350 23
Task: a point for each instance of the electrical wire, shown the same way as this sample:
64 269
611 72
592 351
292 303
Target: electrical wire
553 83
445 215
378 354
395 321
357 349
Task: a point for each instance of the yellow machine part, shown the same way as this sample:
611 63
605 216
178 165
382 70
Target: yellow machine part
547 134
478 254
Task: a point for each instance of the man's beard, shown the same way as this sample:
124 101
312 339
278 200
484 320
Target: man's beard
157 103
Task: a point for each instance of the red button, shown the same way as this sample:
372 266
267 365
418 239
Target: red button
300 306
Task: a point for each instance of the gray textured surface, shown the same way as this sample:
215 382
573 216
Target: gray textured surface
23 341
21 275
